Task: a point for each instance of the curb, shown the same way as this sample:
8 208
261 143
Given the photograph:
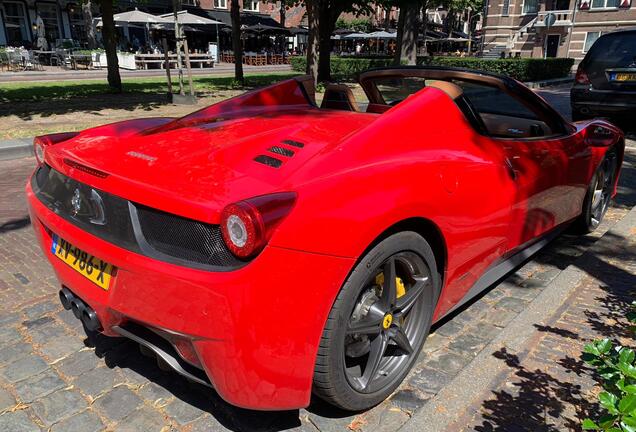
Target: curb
549 83
16 148
446 407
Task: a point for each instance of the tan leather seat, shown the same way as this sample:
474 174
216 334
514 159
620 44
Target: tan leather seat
307 82
452 90
339 97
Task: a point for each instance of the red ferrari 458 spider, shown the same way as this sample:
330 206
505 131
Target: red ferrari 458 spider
269 247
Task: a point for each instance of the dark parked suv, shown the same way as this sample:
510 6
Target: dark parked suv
605 83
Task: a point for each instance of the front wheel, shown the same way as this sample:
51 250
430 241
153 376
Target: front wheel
599 194
378 323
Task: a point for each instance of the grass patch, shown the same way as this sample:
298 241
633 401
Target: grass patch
62 90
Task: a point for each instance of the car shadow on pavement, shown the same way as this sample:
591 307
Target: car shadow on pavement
125 354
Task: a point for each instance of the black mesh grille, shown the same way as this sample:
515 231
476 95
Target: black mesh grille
269 161
184 239
294 143
159 235
281 151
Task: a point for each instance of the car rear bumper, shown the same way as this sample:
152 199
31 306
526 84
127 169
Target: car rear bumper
599 102
254 331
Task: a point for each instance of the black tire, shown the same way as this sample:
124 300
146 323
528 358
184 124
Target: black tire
334 380
593 211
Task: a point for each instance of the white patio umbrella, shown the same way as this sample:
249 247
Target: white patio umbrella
185 17
135 16
383 35
357 36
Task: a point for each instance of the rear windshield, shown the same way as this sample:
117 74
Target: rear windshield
619 50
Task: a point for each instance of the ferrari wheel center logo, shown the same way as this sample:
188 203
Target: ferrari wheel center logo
387 321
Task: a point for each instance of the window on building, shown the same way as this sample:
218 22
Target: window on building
190 2
506 7
51 18
530 6
250 5
16 24
590 38
221 4
78 26
603 4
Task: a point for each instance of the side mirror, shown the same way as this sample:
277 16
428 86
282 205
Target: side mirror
602 134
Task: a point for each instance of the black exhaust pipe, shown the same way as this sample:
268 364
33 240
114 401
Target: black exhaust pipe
81 310
66 298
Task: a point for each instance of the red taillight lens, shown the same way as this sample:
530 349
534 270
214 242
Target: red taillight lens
581 77
248 225
42 141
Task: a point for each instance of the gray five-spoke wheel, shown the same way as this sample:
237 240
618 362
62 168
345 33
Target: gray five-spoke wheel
602 190
385 323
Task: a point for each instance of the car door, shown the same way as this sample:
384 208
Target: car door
544 159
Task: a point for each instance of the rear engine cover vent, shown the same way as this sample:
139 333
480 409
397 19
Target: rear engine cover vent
269 161
281 151
294 143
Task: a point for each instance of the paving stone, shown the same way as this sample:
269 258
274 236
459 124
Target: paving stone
143 419
383 418
39 385
25 368
450 329
43 333
9 319
409 400
79 363
434 342
118 403
69 319
40 309
208 423
448 362
6 399
14 352
182 411
500 317
60 347
428 380
37 322
332 424
467 343
97 381
56 406
9 335
512 303
17 421
86 421
485 330
153 393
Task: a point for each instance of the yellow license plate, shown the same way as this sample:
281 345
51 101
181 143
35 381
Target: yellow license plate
89 266
625 77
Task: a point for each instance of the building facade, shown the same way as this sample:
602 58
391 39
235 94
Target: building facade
552 28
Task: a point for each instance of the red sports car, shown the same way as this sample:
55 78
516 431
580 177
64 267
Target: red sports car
271 248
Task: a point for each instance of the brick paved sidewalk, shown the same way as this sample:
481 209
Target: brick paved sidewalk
548 387
52 376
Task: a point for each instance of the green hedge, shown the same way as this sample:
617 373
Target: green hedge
344 68
523 69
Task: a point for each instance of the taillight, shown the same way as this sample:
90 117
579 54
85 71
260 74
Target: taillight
248 225
42 141
581 77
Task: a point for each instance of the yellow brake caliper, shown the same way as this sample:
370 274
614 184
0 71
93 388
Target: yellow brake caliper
399 284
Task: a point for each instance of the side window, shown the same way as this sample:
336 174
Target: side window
503 115
394 90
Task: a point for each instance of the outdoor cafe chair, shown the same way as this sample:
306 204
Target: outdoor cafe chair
31 61
4 60
16 62
63 58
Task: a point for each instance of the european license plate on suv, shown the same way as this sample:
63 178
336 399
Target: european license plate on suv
89 266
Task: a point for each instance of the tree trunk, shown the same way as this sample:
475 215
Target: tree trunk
397 57
387 18
329 13
110 44
87 12
237 45
425 26
313 18
407 43
282 13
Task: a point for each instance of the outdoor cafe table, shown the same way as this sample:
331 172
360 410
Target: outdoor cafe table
45 55
143 60
84 59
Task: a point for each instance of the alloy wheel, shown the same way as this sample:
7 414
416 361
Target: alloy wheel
602 192
388 320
